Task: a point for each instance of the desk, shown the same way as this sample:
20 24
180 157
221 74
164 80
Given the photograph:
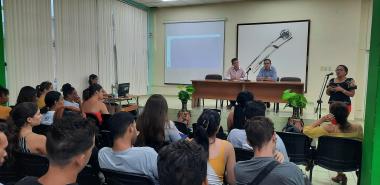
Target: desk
228 90
120 107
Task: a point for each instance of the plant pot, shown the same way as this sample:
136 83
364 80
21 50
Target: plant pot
296 112
184 106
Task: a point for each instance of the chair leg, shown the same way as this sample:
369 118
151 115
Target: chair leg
216 104
203 102
358 175
311 174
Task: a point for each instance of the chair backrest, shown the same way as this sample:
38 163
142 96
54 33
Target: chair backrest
298 147
125 178
290 79
243 154
338 154
104 139
182 127
213 77
30 164
41 129
89 176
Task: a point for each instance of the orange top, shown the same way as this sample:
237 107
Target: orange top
218 163
4 112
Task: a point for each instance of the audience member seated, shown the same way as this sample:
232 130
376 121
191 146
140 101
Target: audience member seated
71 99
92 79
338 127
69 145
123 156
3 144
154 126
4 110
27 94
182 163
94 105
262 138
236 116
42 89
25 116
221 154
238 136
53 108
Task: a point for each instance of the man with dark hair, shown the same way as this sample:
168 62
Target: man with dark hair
4 110
123 156
182 163
261 136
69 145
268 72
234 73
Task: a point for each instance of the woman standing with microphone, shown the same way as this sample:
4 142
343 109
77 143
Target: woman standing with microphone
341 88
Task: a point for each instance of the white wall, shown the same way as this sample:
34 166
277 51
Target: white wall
338 35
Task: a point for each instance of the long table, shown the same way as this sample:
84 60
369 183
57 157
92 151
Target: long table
228 90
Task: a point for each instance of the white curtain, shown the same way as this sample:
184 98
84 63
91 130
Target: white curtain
132 50
28 43
105 47
76 41
83 34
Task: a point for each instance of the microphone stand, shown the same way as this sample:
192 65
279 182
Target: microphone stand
267 56
319 101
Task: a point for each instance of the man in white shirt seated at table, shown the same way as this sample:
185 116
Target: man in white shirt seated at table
235 73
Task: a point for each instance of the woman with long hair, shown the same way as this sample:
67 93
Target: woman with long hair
27 94
154 125
25 116
94 104
221 154
42 89
236 117
53 108
341 128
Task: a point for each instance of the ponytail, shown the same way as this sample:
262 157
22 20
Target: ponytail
206 126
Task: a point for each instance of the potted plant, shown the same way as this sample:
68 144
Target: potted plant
184 95
295 100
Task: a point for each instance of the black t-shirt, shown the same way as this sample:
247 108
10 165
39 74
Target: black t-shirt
348 85
32 181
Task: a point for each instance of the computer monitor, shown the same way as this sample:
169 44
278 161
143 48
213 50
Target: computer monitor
123 89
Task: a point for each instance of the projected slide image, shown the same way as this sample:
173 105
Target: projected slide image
196 51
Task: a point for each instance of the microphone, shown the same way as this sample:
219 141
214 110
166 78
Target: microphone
329 74
249 69
285 34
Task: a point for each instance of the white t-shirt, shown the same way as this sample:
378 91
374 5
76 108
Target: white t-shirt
48 118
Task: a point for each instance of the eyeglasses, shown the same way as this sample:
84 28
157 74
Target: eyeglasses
266 63
339 69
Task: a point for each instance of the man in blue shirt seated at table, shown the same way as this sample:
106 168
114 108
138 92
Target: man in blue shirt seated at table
268 72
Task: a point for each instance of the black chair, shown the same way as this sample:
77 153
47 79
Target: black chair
298 147
213 77
104 139
285 79
339 154
8 173
89 176
41 129
125 178
30 164
182 127
243 154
